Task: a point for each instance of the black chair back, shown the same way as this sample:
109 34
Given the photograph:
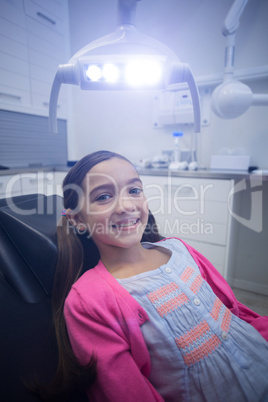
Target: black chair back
28 252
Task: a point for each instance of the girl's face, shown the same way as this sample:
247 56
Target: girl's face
115 210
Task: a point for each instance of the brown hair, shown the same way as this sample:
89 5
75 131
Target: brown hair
76 254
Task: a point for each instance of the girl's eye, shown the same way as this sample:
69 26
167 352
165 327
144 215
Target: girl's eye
103 197
136 190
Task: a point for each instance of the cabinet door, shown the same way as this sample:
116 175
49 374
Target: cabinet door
14 67
56 187
48 13
10 186
47 183
46 51
34 40
47 48
13 10
194 209
35 182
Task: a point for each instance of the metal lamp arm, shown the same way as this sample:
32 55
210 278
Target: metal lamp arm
195 97
231 22
181 72
68 74
53 104
230 26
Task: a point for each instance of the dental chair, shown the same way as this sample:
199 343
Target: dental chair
28 251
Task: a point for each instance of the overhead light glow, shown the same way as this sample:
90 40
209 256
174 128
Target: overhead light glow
110 72
93 72
152 72
143 72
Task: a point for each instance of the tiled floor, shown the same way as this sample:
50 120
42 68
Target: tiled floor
256 302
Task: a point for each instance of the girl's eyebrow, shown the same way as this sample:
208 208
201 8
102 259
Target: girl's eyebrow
110 186
107 186
135 179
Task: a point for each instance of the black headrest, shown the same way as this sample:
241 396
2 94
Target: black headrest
28 244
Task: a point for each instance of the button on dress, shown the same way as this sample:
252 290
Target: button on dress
199 350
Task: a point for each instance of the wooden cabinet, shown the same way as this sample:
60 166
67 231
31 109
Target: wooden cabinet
34 40
195 210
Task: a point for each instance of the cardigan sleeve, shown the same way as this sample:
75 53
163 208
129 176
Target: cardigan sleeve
221 288
119 378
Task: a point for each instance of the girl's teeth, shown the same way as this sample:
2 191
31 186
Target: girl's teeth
125 225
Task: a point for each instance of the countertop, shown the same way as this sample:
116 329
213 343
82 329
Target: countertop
200 173
33 169
204 173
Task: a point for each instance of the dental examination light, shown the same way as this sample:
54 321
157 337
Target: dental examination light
233 98
123 60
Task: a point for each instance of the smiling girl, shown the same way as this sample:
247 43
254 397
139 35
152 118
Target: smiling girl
152 320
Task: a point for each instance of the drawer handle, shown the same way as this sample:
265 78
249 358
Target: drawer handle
46 104
36 179
45 17
182 190
10 96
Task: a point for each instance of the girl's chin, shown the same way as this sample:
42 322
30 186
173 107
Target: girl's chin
126 239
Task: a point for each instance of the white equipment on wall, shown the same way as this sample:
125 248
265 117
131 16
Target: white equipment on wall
124 59
233 98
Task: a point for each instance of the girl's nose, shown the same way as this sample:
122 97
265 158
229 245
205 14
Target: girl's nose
125 204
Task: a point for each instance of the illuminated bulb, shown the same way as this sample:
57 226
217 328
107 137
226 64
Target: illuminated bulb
93 72
152 72
142 72
134 73
110 72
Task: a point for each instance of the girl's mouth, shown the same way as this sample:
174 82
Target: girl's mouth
126 225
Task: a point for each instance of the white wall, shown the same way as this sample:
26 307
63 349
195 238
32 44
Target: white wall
123 121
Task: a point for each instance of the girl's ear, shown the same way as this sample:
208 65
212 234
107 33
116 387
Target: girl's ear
75 220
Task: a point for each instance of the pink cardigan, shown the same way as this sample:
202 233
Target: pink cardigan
104 319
